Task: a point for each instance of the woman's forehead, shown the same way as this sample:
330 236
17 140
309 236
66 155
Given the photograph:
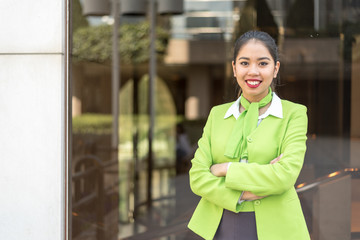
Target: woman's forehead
254 48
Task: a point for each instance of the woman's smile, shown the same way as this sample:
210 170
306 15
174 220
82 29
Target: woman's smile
253 83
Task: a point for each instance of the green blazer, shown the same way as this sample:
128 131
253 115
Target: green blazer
279 215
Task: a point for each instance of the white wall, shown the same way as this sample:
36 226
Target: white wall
33 112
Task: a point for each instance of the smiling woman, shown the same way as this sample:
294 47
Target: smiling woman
250 155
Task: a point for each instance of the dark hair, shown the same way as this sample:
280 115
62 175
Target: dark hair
265 39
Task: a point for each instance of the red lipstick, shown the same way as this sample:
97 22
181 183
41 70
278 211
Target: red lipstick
253 83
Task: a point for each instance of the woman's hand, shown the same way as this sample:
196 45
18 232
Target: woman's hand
219 170
275 160
250 196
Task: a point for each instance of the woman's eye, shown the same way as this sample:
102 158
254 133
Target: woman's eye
244 63
263 63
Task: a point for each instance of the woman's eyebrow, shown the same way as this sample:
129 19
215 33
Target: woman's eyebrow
261 58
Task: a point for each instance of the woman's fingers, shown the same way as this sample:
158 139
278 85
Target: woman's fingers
275 160
250 196
219 170
213 169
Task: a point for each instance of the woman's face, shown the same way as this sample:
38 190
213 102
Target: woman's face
254 70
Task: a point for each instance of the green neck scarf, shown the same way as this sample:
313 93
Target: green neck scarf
244 126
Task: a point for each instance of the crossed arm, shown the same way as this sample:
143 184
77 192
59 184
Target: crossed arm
220 170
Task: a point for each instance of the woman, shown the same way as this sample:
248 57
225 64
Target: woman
250 155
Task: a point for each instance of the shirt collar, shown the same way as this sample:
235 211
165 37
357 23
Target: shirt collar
275 109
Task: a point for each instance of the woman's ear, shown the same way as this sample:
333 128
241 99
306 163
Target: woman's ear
233 67
277 67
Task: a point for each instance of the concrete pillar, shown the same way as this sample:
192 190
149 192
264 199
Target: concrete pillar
197 104
34 111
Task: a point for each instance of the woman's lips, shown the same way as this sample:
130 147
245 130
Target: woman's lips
253 83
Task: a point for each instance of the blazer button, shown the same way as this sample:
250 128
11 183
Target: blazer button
257 202
249 139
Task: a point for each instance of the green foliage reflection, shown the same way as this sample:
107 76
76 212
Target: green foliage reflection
94 43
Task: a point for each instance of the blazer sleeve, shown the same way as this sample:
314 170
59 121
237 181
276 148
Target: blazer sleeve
270 179
203 182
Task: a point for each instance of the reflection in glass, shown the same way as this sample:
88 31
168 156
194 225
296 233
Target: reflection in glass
320 68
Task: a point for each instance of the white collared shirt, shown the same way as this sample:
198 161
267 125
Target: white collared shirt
275 109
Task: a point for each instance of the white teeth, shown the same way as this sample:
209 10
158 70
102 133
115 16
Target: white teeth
253 82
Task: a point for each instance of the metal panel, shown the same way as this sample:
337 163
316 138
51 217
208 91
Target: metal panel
96 7
133 7
170 6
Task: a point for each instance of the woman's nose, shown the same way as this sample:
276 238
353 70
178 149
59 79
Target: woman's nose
253 70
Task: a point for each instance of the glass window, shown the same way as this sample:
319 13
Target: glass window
121 193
